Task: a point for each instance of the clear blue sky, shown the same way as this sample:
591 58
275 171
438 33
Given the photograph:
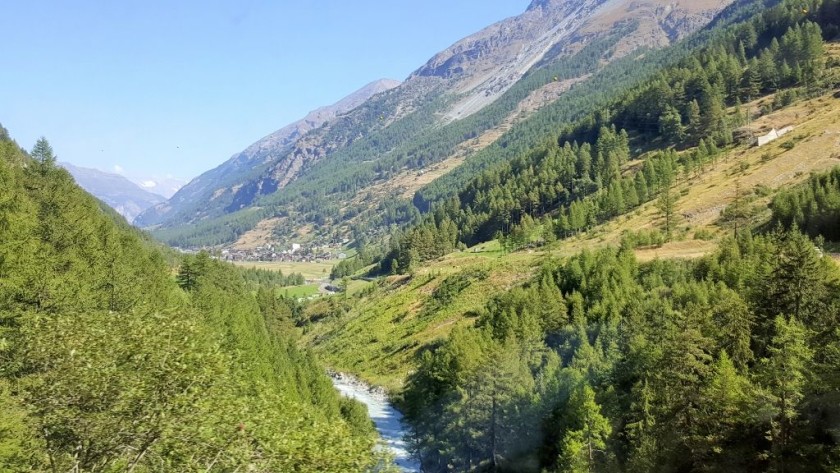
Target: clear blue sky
169 87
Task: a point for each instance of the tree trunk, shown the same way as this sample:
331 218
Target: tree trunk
493 430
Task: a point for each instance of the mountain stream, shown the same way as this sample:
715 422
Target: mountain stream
387 419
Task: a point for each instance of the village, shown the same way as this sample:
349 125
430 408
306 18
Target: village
295 253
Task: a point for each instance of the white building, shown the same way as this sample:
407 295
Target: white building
773 135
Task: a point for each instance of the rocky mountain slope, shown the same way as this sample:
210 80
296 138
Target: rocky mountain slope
481 85
488 63
127 198
224 179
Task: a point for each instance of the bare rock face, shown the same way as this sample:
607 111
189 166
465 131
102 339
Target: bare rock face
549 5
516 40
486 64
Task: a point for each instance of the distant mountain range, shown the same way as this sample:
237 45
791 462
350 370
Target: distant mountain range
124 196
166 186
355 168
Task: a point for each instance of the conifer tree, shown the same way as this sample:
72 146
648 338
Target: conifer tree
784 375
42 152
584 447
666 203
694 120
671 127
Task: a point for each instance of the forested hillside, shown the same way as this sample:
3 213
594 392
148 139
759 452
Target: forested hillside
526 353
626 154
814 208
729 363
109 363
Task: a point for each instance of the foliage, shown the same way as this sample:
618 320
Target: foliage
813 207
108 364
601 363
266 277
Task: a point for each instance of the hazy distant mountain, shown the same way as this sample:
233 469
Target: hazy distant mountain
215 183
166 186
117 191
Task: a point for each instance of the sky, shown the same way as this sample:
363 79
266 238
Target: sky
155 88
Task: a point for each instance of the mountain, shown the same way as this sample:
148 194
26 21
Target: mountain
462 100
166 185
124 196
214 184
483 66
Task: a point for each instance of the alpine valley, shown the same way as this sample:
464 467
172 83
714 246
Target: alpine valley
600 236
354 169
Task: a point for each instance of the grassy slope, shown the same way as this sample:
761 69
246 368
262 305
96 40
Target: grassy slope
380 335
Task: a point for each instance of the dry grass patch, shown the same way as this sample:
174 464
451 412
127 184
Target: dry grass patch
688 249
816 148
310 271
260 235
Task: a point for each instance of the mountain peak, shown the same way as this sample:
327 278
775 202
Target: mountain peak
381 85
546 4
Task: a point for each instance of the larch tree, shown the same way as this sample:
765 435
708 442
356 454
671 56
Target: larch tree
783 375
585 448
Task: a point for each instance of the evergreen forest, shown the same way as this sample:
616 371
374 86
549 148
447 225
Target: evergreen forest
110 361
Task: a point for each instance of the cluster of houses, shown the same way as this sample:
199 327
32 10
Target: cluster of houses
295 253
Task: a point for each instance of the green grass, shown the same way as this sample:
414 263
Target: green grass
358 285
298 291
377 335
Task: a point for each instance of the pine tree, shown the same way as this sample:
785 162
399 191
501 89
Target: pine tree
751 82
796 285
694 120
42 152
641 187
585 448
724 413
187 274
667 208
784 375
496 391
736 212
671 127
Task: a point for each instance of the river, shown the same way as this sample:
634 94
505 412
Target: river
387 419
